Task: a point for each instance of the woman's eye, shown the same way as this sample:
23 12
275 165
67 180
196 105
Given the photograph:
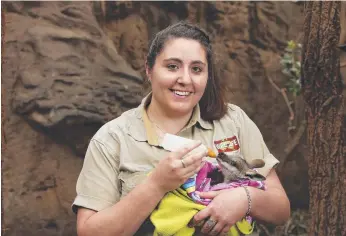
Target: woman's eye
172 67
196 69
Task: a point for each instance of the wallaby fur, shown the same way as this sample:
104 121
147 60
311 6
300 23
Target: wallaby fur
234 167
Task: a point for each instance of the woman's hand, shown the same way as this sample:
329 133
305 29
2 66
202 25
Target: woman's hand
228 207
173 170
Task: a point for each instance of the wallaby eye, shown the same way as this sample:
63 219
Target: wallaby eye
232 163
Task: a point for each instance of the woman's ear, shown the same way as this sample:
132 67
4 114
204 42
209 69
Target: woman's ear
147 72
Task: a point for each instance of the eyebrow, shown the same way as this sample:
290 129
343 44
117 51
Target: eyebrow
180 61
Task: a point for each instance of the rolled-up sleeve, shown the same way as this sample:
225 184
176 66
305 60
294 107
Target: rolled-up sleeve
98 185
252 143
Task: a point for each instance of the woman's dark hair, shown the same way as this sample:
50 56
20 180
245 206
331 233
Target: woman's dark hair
213 102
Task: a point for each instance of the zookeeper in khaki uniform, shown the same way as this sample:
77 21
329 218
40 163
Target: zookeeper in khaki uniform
126 172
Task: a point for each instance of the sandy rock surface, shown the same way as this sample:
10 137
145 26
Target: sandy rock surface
69 67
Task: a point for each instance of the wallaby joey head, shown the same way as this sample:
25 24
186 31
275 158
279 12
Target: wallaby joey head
234 167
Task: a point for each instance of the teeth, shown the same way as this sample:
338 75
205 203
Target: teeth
180 93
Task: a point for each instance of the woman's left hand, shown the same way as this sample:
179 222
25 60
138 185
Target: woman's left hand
228 207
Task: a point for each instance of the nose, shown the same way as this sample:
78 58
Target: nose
185 77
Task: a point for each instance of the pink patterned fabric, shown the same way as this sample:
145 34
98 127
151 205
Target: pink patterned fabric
202 183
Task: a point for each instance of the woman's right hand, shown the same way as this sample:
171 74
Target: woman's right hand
173 170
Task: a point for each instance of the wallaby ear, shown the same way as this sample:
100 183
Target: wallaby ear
256 163
254 175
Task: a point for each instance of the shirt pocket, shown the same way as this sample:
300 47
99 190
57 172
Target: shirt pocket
129 180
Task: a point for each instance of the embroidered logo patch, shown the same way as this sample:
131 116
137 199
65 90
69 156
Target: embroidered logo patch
227 144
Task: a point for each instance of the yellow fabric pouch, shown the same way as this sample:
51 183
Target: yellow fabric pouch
175 211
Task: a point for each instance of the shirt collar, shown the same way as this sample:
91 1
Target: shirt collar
150 134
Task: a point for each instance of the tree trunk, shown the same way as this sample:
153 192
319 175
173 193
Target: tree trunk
322 90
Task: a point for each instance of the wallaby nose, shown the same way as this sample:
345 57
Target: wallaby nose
222 156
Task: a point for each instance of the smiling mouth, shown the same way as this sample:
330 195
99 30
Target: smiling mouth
181 93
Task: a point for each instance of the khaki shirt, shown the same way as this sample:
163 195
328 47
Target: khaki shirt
124 150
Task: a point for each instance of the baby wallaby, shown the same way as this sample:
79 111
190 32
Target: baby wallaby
234 167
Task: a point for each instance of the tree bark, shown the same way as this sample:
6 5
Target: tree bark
322 90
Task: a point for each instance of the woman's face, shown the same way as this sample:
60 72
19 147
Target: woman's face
179 75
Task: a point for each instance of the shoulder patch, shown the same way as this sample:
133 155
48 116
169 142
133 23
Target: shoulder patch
227 145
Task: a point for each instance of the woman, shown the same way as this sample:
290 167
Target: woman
115 194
